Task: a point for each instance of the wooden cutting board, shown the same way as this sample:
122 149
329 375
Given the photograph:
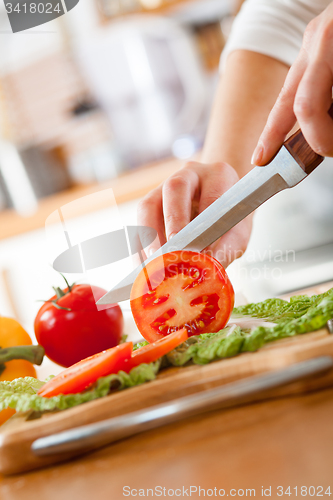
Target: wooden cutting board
18 433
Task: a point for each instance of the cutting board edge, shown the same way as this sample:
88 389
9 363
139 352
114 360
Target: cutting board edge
248 364
215 370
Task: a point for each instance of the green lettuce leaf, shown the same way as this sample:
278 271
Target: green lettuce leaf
140 344
208 347
300 315
278 310
21 394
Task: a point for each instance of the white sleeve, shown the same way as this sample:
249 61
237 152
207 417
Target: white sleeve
272 27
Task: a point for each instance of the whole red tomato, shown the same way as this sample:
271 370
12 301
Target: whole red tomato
70 327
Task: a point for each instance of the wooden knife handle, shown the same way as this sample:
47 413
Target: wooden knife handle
301 151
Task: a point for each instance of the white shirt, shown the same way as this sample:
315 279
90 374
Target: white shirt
272 27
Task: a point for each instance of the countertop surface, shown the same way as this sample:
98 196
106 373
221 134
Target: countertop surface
284 442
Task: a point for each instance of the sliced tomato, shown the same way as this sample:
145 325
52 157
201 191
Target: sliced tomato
179 290
78 377
155 350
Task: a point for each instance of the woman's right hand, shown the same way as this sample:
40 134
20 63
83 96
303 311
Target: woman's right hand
171 206
306 95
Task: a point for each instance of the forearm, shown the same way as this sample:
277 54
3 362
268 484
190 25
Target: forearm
246 94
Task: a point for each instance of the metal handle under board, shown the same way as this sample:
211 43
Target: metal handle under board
94 435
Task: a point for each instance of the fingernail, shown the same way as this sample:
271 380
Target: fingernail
171 235
257 155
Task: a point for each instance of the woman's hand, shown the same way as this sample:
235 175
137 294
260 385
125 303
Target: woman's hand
171 206
306 95
239 115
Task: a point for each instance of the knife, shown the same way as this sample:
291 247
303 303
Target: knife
294 162
91 436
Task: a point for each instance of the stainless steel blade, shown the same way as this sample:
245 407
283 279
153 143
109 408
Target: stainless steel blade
248 390
233 206
330 325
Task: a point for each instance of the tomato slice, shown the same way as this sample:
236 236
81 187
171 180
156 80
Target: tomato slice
179 290
78 377
155 350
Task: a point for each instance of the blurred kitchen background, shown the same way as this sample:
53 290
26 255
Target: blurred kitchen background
117 94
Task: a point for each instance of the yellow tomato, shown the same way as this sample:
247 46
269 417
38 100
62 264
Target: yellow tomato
18 368
13 334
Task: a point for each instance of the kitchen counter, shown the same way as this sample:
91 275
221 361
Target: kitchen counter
283 442
127 187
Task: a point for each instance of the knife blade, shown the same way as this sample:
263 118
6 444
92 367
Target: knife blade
91 436
293 163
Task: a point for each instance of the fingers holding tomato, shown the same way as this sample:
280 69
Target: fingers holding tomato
179 290
189 191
